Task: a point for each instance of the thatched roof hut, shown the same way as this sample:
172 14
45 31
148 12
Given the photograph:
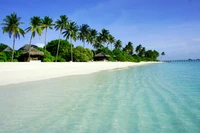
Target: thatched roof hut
101 57
26 47
33 51
7 49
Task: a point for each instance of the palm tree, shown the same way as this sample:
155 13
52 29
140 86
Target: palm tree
129 48
142 52
71 32
11 26
104 35
47 22
98 43
84 33
138 49
61 24
118 44
35 27
92 37
163 53
111 40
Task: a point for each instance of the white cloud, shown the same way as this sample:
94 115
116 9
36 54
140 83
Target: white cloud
39 44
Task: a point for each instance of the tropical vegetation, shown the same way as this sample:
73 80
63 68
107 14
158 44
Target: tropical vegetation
11 26
63 50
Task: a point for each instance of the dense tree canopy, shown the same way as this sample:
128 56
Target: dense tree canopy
129 48
82 54
64 49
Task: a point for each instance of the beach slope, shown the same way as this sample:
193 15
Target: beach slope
12 73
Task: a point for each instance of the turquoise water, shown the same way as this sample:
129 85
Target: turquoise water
147 99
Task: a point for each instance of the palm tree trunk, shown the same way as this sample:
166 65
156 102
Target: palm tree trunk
13 48
71 50
29 56
84 43
45 43
58 46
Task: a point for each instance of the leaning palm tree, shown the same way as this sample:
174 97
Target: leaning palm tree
71 32
84 31
35 28
47 22
118 44
104 36
111 40
61 24
11 26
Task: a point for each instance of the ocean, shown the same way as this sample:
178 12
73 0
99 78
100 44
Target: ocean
153 98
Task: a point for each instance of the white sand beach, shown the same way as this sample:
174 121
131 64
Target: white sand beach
12 73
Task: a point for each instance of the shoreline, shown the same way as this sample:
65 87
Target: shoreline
14 73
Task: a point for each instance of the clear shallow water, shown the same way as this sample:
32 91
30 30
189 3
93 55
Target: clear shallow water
147 99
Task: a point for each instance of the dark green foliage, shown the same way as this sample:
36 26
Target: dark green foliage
105 50
128 48
60 59
89 53
7 56
18 54
142 52
64 50
123 56
2 46
118 44
48 57
163 53
138 49
151 55
82 54
111 58
3 57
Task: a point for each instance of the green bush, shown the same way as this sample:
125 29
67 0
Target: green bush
3 57
8 56
60 59
111 58
82 54
15 60
64 49
47 57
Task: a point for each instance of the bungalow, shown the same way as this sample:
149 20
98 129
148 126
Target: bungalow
101 57
30 51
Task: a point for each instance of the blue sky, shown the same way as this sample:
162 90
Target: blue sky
172 26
